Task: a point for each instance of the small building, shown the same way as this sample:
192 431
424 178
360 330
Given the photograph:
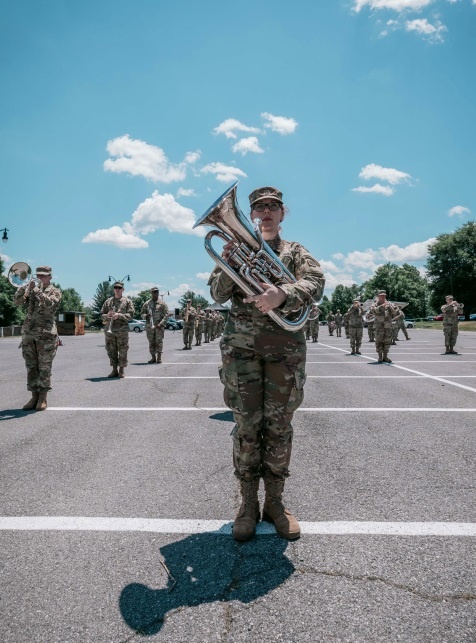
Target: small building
70 323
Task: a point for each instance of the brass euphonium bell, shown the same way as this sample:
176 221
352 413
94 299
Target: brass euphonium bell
251 260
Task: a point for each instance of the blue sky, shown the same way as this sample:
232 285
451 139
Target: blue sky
121 122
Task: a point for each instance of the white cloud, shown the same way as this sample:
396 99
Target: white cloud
338 255
395 5
389 174
328 265
245 145
116 236
5 258
459 210
224 173
231 125
366 259
204 276
377 189
186 192
413 252
138 158
433 33
280 124
333 280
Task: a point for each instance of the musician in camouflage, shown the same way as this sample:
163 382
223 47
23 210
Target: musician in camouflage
346 325
199 321
314 324
338 320
331 323
117 312
401 325
263 370
370 326
40 300
451 311
188 314
207 323
384 313
356 326
155 312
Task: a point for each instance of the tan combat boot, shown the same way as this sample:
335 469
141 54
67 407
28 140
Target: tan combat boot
114 372
244 527
152 361
29 406
121 372
380 358
42 404
275 512
386 358
452 350
159 358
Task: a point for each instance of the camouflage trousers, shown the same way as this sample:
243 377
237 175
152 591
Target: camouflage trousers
355 338
451 333
383 339
315 329
371 332
339 330
117 345
207 333
403 329
156 340
188 333
263 390
198 335
38 355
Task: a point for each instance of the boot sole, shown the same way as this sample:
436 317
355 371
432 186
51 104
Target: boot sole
289 536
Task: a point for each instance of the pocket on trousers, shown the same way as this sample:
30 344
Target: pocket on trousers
297 393
231 394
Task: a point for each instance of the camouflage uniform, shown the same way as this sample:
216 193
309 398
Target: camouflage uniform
207 323
314 324
263 368
188 314
384 314
39 334
356 326
117 341
155 313
199 320
401 325
339 319
331 323
307 329
451 310
370 327
346 325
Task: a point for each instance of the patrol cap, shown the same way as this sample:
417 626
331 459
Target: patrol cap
265 193
154 289
449 297
189 301
357 300
43 270
382 292
118 284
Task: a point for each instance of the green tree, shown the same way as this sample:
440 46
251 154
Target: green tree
325 306
10 315
402 283
196 299
343 296
70 301
451 268
104 290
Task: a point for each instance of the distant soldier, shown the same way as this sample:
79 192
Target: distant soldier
339 320
384 313
117 312
370 326
356 326
199 325
315 311
307 329
400 321
155 312
331 323
188 314
213 331
451 311
207 324
39 334
346 325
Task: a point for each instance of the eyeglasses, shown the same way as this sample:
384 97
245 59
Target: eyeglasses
272 207
118 288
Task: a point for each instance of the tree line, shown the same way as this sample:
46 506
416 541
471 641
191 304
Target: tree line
450 270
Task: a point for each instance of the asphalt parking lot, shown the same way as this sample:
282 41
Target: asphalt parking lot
117 501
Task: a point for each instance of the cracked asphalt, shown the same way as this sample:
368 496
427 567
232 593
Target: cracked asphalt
118 587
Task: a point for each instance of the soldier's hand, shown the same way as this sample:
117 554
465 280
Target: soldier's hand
227 250
115 316
272 297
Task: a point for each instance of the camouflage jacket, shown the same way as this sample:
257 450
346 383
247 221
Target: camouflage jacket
246 326
159 313
384 314
451 313
192 313
355 314
124 307
338 319
40 306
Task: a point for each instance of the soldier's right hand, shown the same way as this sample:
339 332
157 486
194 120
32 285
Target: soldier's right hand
227 250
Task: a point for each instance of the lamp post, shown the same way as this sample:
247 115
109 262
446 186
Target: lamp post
5 235
128 277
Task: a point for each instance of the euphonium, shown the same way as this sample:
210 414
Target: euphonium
251 259
20 274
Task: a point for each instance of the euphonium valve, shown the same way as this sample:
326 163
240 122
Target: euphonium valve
251 260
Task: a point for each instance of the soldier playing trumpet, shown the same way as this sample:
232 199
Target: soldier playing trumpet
384 312
155 312
356 325
451 311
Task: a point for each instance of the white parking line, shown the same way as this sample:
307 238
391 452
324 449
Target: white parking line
224 527
309 409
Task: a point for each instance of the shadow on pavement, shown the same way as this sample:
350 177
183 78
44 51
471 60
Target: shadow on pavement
206 568
225 416
101 379
12 414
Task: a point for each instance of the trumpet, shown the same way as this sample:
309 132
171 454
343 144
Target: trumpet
20 274
251 260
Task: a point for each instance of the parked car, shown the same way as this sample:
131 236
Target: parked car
438 318
430 318
472 317
137 325
174 324
461 317
409 323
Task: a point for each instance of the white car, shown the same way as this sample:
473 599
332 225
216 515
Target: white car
137 325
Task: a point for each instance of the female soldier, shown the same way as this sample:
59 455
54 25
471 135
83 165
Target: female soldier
263 370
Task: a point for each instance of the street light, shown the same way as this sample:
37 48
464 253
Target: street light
122 280
5 235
